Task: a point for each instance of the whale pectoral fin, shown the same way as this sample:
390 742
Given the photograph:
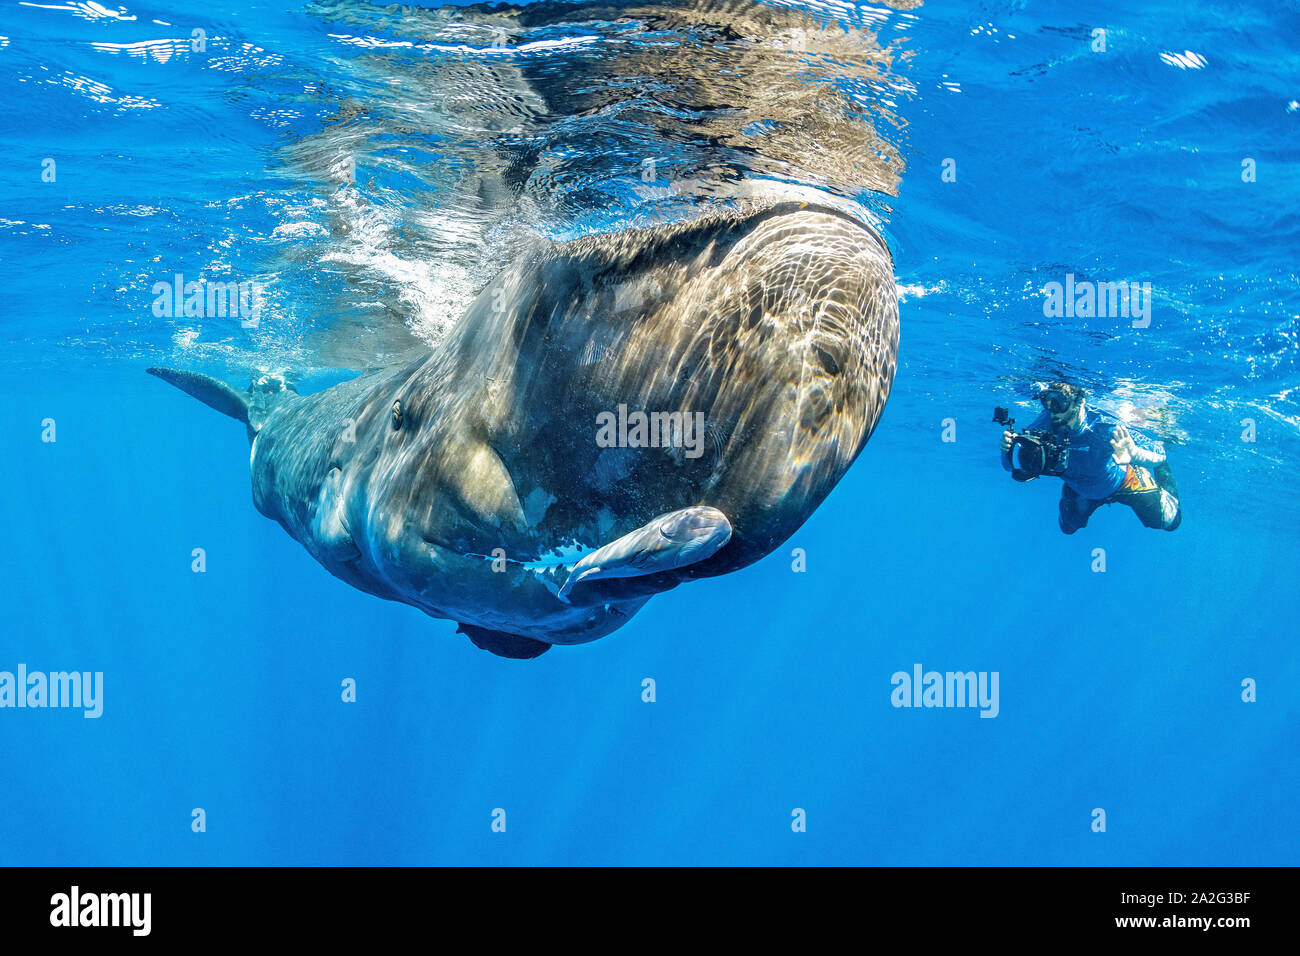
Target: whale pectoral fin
483 486
666 543
329 526
502 644
210 391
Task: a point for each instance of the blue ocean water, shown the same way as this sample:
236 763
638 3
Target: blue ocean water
1119 689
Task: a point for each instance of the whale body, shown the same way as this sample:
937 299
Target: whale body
481 482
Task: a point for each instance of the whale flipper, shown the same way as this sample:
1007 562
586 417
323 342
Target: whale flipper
210 391
665 543
502 644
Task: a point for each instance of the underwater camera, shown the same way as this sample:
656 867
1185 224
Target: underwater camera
1035 451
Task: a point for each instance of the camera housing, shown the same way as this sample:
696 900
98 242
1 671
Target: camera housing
1035 451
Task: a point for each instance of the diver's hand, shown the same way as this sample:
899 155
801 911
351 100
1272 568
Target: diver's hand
1008 437
1122 444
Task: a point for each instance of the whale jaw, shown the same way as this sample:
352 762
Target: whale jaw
671 541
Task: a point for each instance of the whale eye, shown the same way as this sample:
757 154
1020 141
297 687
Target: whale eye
397 415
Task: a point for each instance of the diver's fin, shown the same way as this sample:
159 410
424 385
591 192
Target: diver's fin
210 391
1164 477
502 644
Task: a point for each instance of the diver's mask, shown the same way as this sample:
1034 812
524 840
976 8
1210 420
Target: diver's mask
1059 399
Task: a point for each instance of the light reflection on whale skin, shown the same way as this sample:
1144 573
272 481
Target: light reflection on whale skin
430 181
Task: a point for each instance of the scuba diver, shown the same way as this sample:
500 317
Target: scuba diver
1096 458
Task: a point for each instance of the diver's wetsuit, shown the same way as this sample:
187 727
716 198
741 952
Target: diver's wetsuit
1093 478
1153 498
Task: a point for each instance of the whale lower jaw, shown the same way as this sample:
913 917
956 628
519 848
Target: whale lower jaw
573 601
601 590
668 542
